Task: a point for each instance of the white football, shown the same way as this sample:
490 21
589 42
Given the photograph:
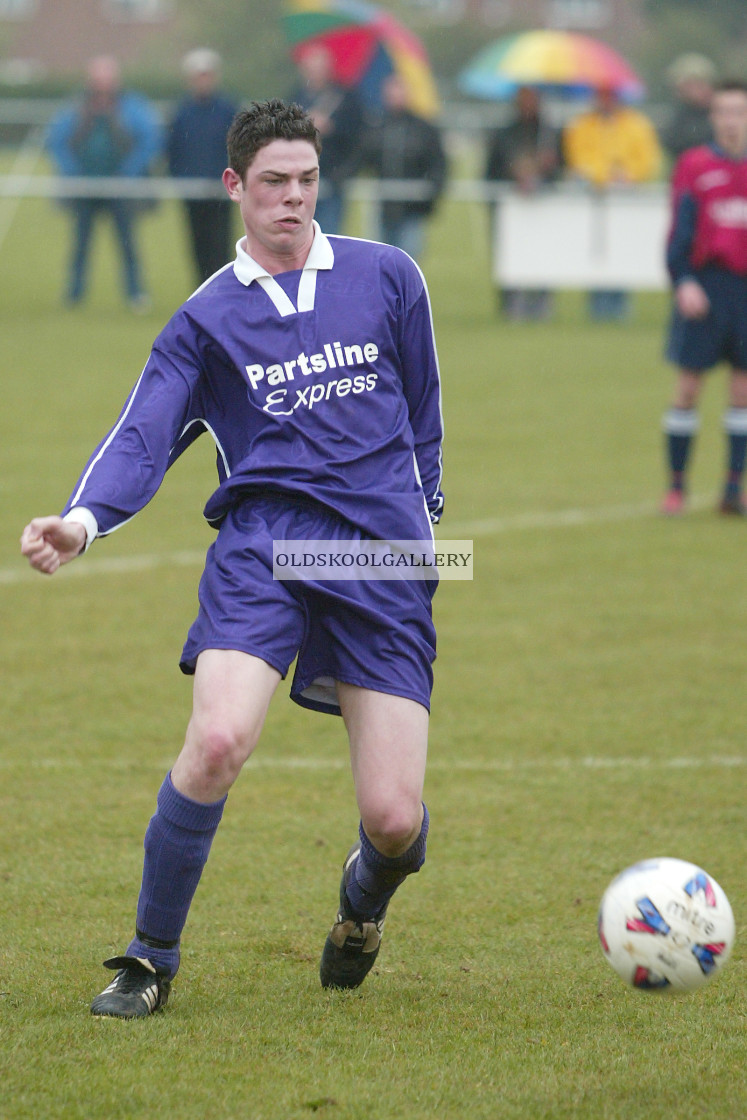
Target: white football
666 923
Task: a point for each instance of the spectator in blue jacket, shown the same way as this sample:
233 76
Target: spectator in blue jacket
107 132
197 150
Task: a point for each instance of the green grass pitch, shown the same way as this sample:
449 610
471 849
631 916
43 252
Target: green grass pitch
589 711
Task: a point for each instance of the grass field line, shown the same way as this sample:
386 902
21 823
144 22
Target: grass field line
481 527
508 765
565 518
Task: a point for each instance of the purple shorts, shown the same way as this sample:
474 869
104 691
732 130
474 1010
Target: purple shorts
376 634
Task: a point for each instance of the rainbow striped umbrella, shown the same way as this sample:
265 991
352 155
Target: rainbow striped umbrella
367 45
558 62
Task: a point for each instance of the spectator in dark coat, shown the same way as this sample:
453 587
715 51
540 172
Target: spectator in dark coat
526 153
692 77
197 150
338 115
405 146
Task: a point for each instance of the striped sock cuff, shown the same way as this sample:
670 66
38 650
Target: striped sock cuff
735 421
681 422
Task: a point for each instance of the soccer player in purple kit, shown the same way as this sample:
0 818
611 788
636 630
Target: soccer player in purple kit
707 260
311 362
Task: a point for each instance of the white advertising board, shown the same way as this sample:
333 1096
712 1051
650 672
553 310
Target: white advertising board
582 240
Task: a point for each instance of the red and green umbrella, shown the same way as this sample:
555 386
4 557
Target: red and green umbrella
367 45
563 63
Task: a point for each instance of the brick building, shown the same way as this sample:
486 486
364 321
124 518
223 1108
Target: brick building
50 38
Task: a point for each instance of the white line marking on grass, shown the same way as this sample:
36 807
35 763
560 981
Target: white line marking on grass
444 765
114 565
563 518
482 527
722 762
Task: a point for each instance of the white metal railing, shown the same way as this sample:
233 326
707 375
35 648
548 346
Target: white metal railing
360 189
564 235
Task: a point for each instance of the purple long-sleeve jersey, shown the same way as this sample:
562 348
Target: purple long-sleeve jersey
322 382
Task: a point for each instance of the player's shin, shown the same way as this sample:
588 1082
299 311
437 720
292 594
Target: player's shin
735 425
680 427
177 845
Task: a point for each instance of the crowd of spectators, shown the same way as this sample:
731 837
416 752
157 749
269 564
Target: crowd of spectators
111 132
608 145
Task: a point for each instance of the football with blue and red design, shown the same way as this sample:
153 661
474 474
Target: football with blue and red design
666 924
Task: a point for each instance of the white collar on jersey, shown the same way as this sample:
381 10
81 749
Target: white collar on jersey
321 255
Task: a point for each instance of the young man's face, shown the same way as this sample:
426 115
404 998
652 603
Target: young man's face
729 119
277 200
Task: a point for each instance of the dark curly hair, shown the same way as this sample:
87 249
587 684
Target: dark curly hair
263 122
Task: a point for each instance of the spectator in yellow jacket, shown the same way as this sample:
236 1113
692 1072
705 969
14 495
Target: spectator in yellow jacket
611 145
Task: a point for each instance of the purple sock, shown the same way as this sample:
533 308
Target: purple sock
177 845
376 876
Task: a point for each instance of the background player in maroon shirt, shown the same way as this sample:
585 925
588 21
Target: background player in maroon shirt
707 260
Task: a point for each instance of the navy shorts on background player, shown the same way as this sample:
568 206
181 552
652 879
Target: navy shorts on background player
699 344
377 634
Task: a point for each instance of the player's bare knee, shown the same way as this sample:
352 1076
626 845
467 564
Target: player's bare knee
687 390
738 390
392 828
222 751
